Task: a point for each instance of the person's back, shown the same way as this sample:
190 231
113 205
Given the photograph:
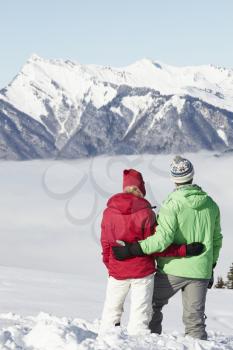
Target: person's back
127 218
188 214
197 220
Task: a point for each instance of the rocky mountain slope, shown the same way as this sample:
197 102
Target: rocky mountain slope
56 108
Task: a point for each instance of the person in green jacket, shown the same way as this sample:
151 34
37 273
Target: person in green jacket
187 215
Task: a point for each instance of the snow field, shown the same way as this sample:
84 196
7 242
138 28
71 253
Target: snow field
50 259
46 332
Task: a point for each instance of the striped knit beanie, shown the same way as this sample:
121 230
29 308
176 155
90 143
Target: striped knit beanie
181 170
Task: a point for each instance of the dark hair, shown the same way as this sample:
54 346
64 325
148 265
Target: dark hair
185 183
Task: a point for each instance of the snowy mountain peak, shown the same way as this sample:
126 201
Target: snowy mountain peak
145 62
122 104
211 84
34 57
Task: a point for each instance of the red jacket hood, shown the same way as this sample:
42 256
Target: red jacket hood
127 203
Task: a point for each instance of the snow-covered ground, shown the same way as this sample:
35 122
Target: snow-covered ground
61 311
50 264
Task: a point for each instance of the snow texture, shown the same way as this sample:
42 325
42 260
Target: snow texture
47 332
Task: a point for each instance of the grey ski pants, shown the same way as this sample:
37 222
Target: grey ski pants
193 298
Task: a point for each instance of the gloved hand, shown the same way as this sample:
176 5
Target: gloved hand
194 249
211 281
128 250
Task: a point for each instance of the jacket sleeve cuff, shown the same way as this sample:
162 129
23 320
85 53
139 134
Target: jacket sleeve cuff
183 250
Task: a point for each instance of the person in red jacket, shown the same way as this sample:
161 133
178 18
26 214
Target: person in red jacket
129 217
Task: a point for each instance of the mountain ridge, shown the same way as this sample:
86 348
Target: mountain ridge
147 106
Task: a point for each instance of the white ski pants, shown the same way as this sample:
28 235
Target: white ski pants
140 308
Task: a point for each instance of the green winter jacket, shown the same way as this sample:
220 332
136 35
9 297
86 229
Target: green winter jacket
188 215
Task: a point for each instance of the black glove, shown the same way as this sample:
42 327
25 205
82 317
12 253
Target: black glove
129 250
211 281
194 249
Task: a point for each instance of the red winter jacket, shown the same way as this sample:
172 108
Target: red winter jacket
130 218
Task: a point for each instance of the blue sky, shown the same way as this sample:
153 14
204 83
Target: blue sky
116 32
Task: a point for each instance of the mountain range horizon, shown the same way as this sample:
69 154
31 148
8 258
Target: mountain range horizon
61 108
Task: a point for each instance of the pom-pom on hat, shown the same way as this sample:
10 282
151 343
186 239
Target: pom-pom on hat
181 170
132 177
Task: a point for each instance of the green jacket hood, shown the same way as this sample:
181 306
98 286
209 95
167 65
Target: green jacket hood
193 196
